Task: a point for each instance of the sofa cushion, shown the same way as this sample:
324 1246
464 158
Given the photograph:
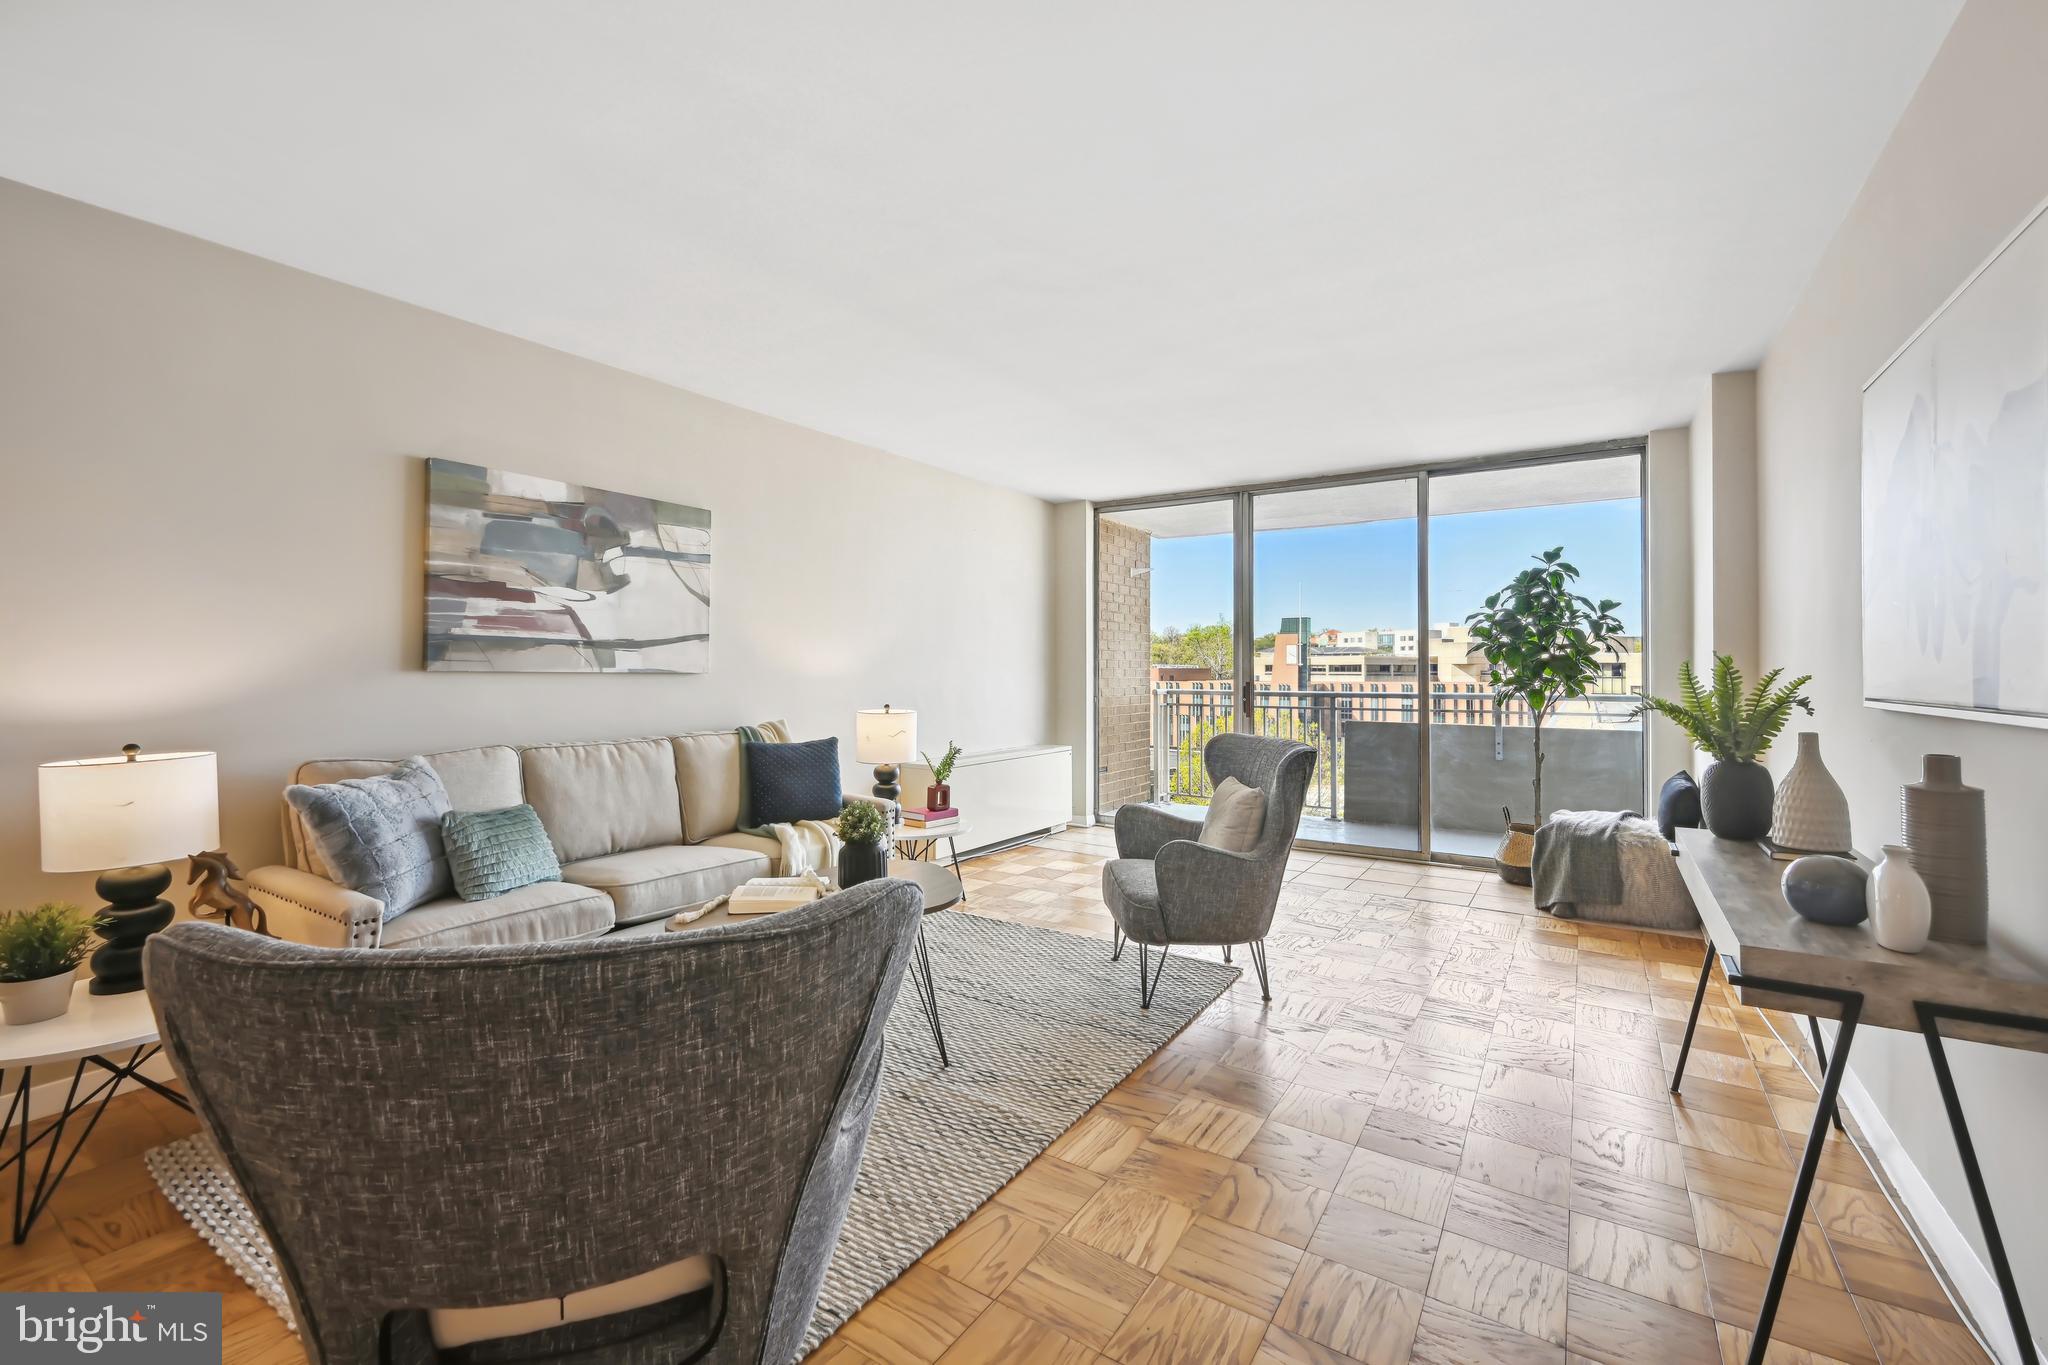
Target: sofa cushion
787 782
709 776
647 883
491 852
1131 881
604 798
379 836
485 778
770 849
545 912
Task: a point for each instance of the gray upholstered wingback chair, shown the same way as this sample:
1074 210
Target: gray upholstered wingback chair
565 1129
1163 888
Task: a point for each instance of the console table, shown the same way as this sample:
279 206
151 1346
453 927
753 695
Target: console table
1775 960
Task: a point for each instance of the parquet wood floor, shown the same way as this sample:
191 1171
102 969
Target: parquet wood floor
1446 1141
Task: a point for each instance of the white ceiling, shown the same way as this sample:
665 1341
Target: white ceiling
1393 499
1083 249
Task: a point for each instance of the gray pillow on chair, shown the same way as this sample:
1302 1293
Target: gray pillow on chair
380 836
1237 815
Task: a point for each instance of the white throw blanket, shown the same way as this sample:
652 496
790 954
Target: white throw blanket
807 846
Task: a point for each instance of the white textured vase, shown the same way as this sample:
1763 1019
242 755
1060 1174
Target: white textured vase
1810 813
31 1002
1900 911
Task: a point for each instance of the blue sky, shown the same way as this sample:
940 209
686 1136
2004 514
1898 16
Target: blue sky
1357 577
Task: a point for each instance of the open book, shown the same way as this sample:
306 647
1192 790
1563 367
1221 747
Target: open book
764 894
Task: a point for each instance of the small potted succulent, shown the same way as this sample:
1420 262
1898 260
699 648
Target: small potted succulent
864 843
40 950
939 795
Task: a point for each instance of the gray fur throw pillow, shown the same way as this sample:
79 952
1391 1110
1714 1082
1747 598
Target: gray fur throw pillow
381 835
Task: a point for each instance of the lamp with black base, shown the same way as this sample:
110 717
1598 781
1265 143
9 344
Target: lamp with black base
124 818
885 738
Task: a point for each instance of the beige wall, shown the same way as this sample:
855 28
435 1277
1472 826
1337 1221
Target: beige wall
1723 496
1667 475
1073 643
213 533
1967 162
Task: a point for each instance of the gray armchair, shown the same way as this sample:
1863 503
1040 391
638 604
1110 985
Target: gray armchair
624 1151
1164 888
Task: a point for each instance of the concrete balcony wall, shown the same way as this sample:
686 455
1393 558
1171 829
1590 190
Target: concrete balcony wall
1582 770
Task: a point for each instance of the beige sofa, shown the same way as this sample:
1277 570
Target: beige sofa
643 827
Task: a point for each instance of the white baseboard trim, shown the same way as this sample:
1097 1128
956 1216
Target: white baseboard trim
46 1097
1946 1244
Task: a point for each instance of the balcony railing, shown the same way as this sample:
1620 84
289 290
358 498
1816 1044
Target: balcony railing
1186 715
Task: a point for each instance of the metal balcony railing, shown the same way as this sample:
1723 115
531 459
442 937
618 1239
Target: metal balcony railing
1186 715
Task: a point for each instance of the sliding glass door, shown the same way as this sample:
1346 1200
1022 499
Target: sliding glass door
1166 666
1333 613
1484 528
1334 606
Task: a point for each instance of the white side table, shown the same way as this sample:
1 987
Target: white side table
920 844
94 1034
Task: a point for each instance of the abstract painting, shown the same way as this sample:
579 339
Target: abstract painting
1955 501
530 575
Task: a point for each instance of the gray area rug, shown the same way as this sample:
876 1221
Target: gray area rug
1039 1025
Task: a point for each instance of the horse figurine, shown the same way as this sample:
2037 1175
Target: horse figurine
215 875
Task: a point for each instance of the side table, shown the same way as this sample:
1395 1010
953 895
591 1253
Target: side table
920 843
93 1035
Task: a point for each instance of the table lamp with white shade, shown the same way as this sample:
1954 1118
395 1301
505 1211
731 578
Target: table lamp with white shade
885 738
124 818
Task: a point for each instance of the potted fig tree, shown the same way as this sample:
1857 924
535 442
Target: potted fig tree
40 950
864 843
1543 644
1734 725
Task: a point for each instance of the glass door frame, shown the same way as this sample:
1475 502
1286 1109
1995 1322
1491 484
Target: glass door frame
1243 619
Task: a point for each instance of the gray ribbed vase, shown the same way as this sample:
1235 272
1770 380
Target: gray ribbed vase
1943 820
1810 813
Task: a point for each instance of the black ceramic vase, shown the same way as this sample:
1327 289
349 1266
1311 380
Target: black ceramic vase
1735 800
862 863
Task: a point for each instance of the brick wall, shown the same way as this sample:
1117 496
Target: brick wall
1123 662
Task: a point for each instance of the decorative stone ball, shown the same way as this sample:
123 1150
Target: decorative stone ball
1827 889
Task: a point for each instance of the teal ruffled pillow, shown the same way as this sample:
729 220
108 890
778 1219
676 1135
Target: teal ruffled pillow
491 852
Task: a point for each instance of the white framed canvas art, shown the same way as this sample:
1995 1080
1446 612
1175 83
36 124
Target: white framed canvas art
532 575
1955 500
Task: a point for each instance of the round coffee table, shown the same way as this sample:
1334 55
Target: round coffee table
94 1033
941 890
939 883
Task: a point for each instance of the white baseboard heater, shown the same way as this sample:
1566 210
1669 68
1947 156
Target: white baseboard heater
1006 795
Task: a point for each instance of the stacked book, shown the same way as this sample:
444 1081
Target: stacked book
917 817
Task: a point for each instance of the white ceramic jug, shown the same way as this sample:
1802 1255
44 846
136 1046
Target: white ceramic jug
1900 911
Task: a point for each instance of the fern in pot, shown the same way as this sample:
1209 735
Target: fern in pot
1734 725
864 843
40 950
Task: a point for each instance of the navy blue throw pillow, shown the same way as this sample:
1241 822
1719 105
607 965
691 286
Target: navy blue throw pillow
1678 805
794 781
